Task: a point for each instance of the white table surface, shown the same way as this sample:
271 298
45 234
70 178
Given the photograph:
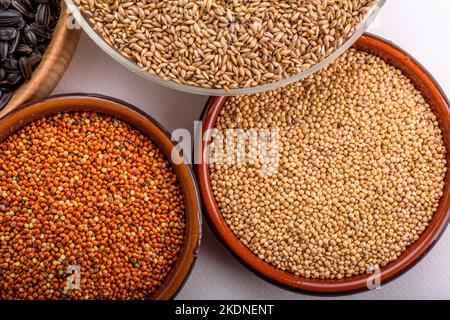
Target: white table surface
420 27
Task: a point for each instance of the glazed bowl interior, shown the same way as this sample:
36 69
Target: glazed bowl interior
437 100
150 128
54 63
116 55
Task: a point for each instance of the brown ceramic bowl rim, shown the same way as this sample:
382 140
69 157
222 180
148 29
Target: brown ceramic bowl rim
148 126
347 285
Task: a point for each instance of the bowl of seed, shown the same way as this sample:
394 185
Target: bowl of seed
336 184
215 47
95 203
37 41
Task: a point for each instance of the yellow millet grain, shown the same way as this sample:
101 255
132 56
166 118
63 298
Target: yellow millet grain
362 167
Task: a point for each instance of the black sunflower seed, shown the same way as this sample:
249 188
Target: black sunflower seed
21 24
4 4
3 50
35 58
22 8
10 64
25 68
24 49
41 47
40 31
9 17
26 28
43 15
7 33
28 36
5 96
29 3
14 43
13 78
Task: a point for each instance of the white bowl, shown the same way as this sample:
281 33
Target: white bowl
116 55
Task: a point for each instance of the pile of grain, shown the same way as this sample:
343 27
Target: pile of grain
226 44
86 193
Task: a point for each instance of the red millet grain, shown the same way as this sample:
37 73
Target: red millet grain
87 190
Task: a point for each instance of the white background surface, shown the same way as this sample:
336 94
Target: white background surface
418 26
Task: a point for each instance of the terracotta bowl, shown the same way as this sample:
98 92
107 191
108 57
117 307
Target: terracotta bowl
154 131
54 63
435 97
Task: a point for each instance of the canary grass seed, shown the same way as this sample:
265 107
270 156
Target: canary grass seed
226 44
86 191
361 170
